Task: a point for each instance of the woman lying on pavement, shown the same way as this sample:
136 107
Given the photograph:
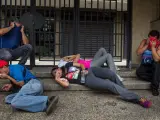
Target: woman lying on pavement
99 59
96 78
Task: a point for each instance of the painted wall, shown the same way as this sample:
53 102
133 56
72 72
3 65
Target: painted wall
144 11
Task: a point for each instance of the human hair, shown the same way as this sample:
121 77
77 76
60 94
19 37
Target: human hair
154 33
56 67
53 69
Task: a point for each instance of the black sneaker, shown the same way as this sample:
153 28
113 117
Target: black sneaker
52 102
155 92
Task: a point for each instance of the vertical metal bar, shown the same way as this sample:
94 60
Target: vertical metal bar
44 32
20 8
40 3
76 25
115 30
16 8
60 28
32 36
91 34
121 31
40 37
103 21
97 22
69 3
50 34
110 22
55 30
64 3
11 8
85 27
69 20
26 4
129 31
6 9
91 4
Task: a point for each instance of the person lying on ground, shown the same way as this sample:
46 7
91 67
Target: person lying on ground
27 89
97 78
99 59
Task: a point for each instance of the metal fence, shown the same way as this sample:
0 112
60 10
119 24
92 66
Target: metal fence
75 26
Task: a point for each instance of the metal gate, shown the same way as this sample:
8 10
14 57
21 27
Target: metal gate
75 26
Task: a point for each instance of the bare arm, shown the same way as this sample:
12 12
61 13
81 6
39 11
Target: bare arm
6 30
142 47
75 58
79 65
155 52
63 82
24 37
20 84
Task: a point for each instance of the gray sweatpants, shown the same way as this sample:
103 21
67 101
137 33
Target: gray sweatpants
102 57
23 51
105 79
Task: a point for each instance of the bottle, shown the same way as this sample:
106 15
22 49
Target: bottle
82 77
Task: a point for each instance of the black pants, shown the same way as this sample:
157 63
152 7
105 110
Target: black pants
150 73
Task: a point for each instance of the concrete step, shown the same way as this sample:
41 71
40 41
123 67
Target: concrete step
45 72
50 85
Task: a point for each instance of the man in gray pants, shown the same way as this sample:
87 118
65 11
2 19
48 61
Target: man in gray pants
10 39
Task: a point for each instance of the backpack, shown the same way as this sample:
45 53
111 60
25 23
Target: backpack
147 57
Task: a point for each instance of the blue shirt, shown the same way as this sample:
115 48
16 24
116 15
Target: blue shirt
12 39
16 72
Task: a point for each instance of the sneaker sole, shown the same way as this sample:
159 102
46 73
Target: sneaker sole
52 106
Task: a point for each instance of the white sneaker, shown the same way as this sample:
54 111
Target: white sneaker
117 68
120 78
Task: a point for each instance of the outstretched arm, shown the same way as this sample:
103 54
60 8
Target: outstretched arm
6 30
73 58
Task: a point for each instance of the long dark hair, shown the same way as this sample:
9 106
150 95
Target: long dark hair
56 67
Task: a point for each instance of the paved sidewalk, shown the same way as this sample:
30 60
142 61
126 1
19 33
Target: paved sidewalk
89 105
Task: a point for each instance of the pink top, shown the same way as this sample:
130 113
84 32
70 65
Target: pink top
86 63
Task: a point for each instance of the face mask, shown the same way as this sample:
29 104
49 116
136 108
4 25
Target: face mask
152 38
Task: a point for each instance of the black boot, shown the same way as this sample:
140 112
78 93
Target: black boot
155 92
52 102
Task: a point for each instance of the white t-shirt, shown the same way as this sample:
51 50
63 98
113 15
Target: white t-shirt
62 63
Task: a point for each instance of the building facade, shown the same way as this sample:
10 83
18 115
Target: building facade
83 26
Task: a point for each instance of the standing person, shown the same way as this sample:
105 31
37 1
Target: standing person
27 90
148 68
10 39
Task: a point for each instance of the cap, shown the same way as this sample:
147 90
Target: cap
3 63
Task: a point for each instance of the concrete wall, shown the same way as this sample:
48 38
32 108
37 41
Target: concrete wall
144 11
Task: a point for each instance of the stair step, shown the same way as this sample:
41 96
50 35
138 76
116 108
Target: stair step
49 85
45 72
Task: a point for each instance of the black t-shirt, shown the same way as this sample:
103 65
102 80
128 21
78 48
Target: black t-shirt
73 73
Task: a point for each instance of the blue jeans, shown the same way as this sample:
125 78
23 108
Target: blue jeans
29 98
